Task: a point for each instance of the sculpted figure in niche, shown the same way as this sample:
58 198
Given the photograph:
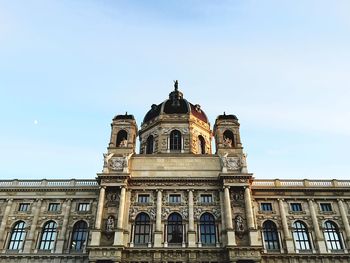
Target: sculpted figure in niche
123 143
110 224
239 224
227 142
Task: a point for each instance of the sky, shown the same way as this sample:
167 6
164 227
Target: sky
67 67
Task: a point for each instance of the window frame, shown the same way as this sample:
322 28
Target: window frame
172 196
175 143
206 198
207 228
79 235
264 205
48 236
332 236
24 204
83 204
141 201
175 229
17 236
293 205
54 205
301 236
326 205
270 237
142 229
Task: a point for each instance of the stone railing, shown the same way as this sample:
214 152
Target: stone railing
48 183
300 183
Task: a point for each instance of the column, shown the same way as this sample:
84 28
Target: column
318 235
31 235
61 238
345 220
191 231
231 239
253 233
223 223
158 233
286 232
96 233
249 208
119 234
4 221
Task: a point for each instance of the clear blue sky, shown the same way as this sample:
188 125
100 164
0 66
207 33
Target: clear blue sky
67 67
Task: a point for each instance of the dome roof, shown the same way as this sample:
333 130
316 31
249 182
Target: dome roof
176 104
227 117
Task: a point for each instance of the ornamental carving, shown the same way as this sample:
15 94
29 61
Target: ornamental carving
117 163
239 226
134 211
198 211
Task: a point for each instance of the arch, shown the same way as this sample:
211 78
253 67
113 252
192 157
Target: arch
301 236
174 229
175 140
149 144
207 229
79 235
17 237
270 235
48 236
332 235
201 144
142 229
228 138
122 138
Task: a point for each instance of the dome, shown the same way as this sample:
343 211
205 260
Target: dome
176 104
124 117
227 117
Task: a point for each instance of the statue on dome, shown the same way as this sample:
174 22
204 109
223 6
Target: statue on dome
123 143
227 142
176 85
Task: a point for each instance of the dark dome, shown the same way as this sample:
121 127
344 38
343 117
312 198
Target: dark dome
176 104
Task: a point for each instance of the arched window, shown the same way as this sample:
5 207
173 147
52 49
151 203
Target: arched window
17 236
270 236
79 236
201 144
174 228
175 140
142 229
301 236
332 236
149 146
228 138
207 229
122 138
48 236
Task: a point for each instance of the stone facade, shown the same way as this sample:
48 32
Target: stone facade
175 201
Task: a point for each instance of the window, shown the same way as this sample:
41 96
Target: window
326 207
301 236
142 229
296 207
122 139
174 198
206 198
48 236
270 236
266 207
143 198
79 236
207 229
201 144
332 236
83 207
149 146
174 233
175 140
17 236
53 207
24 207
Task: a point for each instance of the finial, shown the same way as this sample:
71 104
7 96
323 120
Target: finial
126 113
176 84
224 113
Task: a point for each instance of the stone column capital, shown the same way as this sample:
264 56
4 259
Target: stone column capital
159 190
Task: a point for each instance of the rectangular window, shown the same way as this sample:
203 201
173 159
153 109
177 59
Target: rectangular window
267 207
175 198
296 207
326 207
206 198
23 207
83 207
143 198
53 207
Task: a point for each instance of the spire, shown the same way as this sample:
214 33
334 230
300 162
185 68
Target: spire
176 85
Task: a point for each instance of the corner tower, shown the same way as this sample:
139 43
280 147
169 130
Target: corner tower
175 126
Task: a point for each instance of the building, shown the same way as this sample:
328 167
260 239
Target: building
177 200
